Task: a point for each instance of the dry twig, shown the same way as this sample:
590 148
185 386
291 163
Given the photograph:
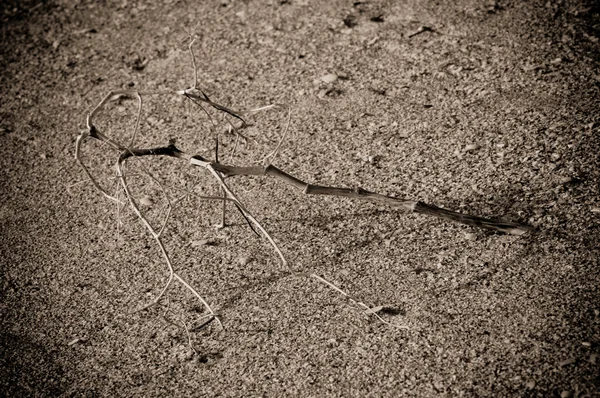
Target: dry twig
220 171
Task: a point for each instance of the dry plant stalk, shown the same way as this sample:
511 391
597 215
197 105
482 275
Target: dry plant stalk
219 171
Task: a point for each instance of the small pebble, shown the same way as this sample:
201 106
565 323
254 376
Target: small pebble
566 180
566 362
330 78
322 93
472 147
566 394
201 242
531 384
146 201
244 260
374 310
471 236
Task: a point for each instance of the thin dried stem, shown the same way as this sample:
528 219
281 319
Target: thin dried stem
158 240
190 47
248 214
220 172
359 303
79 159
137 121
273 153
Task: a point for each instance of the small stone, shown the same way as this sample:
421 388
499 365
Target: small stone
241 15
530 384
593 358
472 147
374 310
244 260
471 237
146 201
330 78
586 344
566 180
595 210
201 242
566 394
322 93
566 362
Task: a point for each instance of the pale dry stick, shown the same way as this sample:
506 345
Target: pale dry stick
169 205
79 159
362 194
192 38
244 211
359 303
156 237
273 153
354 193
137 122
193 60
185 328
94 133
159 242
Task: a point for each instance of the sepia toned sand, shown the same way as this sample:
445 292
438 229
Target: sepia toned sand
487 108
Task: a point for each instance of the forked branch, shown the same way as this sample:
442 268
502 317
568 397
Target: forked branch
220 171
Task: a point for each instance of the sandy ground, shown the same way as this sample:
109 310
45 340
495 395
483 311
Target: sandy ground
494 112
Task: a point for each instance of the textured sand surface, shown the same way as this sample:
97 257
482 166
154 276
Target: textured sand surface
492 112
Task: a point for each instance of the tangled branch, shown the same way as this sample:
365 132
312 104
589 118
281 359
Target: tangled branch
219 171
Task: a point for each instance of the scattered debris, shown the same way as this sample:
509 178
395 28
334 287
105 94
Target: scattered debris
244 260
471 236
566 362
329 78
422 29
146 201
472 147
566 180
202 242
76 340
350 21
